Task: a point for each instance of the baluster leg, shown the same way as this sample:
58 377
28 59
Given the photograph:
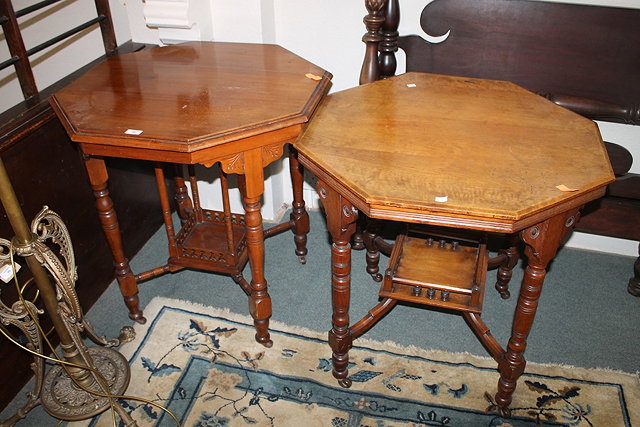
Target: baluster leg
98 178
374 19
341 218
182 199
226 208
389 44
166 208
193 183
505 271
374 227
299 216
252 186
542 242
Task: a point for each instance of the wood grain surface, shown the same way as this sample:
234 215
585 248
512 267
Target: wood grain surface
420 147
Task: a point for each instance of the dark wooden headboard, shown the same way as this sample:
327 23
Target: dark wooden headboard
585 58
551 48
589 52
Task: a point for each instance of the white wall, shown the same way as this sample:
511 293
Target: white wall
76 51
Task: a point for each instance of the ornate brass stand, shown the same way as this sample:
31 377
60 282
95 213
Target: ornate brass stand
83 386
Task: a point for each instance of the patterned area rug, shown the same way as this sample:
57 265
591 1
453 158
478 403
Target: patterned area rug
205 367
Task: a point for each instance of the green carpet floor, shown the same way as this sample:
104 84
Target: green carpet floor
586 317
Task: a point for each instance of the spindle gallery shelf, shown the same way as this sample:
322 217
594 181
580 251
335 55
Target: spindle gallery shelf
436 270
204 241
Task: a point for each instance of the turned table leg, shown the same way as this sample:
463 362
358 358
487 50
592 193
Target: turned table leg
374 228
340 338
98 177
505 271
542 241
252 187
259 299
299 216
184 206
341 217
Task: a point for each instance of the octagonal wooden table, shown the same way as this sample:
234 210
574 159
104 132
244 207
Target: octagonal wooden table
235 104
484 156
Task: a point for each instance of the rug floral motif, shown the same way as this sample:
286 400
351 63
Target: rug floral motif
204 366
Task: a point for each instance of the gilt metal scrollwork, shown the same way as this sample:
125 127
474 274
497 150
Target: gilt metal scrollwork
48 226
56 390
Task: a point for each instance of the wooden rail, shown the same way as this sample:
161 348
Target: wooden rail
20 54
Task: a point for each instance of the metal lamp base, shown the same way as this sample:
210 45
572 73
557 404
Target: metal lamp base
64 400
56 390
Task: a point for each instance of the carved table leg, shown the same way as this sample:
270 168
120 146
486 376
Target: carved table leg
299 215
98 178
634 282
542 242
252 186
341 217
505 271
166 208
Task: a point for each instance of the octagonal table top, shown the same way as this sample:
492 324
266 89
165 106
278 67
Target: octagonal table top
191 96
472 153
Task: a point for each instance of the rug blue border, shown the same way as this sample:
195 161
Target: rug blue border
165 308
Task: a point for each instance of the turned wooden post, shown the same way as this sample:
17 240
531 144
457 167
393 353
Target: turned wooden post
106 27
226 212
374 227
166 207
374 19
341 218
542 241
251 186
389 43
181 196
98 178
505 270
195 193
299 216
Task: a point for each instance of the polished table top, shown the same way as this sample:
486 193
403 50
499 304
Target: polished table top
189 97
455 151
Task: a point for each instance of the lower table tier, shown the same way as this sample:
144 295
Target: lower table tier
207 241
437 271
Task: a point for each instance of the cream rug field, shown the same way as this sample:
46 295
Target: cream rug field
204 366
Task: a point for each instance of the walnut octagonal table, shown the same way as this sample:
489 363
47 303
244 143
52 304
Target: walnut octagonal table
479 155
232 104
